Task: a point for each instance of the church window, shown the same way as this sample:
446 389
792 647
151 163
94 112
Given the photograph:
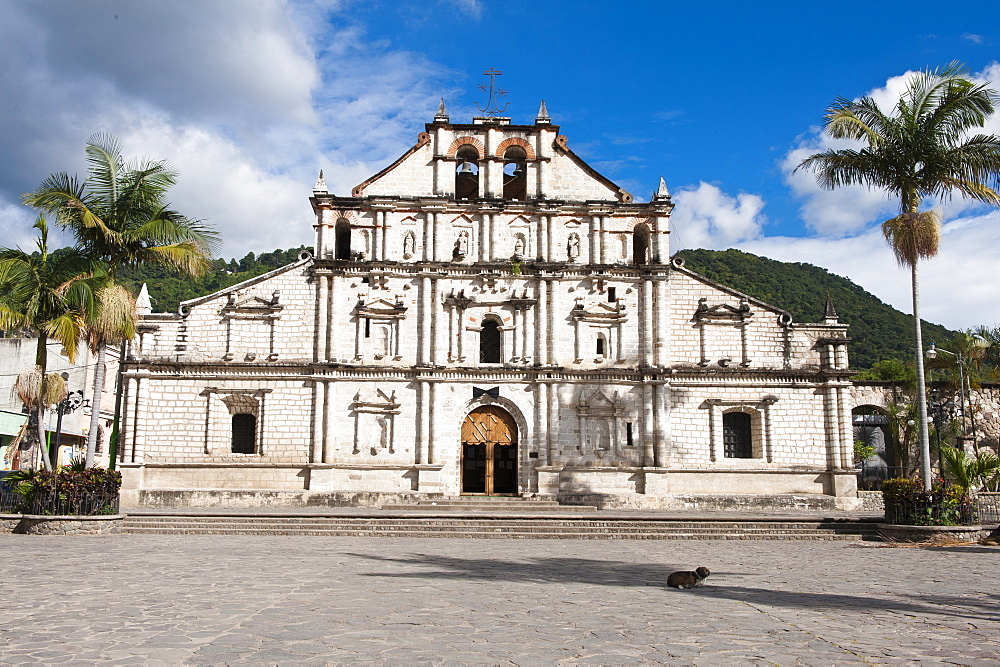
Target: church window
737 439
244 433
368 327
628 434
640 245
515 179
601 344
342 239
467 173
612 296
489 343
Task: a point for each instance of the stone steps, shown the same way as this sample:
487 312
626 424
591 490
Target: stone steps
511 527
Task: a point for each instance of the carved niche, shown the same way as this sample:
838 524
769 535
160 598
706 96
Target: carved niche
375 422
722 332
250 321
377 327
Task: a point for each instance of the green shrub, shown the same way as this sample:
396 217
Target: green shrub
67 491
906 503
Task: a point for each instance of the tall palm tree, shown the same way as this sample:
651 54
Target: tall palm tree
922 148
120 216
52 296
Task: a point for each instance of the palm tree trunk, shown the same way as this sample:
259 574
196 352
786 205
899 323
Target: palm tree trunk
41 361
922 434
95 406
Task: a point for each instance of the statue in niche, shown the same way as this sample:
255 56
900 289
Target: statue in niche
409 245
573 246
519 245
461 246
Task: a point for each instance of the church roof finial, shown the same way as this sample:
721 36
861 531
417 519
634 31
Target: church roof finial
543 115
320 187
442 114
830 317
661 191
143 305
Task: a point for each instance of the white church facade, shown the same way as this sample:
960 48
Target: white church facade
486 315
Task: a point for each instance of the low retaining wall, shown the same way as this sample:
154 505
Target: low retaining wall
932 534
37 524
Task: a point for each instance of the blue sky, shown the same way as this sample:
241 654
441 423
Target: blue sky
250 99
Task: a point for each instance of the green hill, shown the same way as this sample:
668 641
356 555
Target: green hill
878 330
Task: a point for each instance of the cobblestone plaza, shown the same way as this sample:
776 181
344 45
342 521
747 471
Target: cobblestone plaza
293 600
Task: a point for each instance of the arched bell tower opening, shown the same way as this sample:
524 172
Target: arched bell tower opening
342 239
467 173
515 179
640 245
489 452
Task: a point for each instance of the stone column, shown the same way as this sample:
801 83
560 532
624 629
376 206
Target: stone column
332 347
424 342
322 303
661 311
549 236
541 320
594 254
331 424
648 437
646 341
553 418
435 307
430 412
553 332
318 429
139 424
833 437
493 236
542 422
423 426
846 427
602 240
428 240
385 236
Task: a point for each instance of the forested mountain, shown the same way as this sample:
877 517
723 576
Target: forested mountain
167 289
878 330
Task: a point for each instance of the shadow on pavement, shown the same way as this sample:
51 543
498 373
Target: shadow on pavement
619 573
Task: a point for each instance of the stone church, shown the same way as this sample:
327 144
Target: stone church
487 315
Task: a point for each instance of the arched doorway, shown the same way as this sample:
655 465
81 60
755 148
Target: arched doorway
489 452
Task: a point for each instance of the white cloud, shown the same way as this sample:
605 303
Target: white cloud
957 287
247 104
706 217
472 8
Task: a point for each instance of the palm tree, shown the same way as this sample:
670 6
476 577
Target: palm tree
52 296
121 217
921 148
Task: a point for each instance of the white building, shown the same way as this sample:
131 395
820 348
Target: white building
488 314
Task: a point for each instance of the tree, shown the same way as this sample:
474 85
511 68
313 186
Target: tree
120 216
52 296
919 149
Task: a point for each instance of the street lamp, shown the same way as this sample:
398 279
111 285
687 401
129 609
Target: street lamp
932 354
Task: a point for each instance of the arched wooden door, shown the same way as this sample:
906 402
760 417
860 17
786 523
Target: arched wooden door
489 452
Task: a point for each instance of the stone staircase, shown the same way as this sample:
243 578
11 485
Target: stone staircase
492 504
452 523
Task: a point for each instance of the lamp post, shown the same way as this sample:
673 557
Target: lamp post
932 354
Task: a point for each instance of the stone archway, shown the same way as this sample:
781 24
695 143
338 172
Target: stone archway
489 452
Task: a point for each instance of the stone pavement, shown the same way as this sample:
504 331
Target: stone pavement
134 599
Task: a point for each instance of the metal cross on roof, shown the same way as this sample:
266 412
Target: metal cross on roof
492 105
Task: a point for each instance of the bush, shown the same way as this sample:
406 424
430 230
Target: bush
906 503
66 491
